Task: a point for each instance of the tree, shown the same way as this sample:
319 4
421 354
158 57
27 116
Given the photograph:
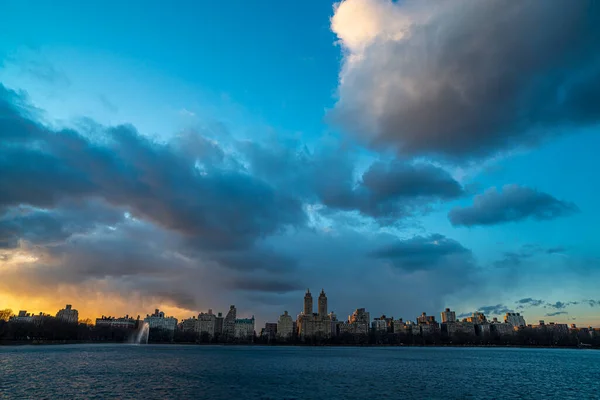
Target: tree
6 314
87 321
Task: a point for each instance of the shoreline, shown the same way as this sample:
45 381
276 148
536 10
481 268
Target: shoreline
62 343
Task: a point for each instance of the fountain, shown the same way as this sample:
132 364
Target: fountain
141 336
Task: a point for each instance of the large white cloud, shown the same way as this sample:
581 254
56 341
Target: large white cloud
465 78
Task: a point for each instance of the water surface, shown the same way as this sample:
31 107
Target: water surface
254 372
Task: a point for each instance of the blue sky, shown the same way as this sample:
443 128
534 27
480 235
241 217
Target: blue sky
239 152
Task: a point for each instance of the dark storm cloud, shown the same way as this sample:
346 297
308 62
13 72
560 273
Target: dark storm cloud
265 285
490 75
256 259
42 227
498 309
554 314
514 203
386 191
184 185
424 253
396 189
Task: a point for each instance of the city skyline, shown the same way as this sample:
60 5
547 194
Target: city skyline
241 153
307 309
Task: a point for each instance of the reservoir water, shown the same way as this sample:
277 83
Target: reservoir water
253 372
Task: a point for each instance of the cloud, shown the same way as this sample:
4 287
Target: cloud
554 314
423 253
498 309
107 104
386 191
268 286
556 250
559 305
215 206
592 303
530 302
465 79
516 258
47 226
514 203
511 259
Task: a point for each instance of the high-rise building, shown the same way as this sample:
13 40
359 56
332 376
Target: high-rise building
68 314
308 303
206 323
285 326
448 317
322 308
229 323
515 319
219 324
310 324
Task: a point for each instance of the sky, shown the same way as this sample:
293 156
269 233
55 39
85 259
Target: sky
405 156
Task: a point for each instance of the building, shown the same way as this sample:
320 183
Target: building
459 328
335 330
159 321
244 328
285 326
501 328
311 324
207 323
219 324
515 319
379 325
68 314
26 318
425 319
125 322
477 318
229 323
400 327
358 323
448 317
270 330
189 325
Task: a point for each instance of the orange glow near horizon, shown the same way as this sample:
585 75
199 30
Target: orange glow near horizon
115 306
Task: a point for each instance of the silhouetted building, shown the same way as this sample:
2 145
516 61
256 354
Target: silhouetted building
219 324
125 322
68 314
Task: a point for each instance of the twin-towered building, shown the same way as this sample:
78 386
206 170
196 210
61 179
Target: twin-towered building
310 324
